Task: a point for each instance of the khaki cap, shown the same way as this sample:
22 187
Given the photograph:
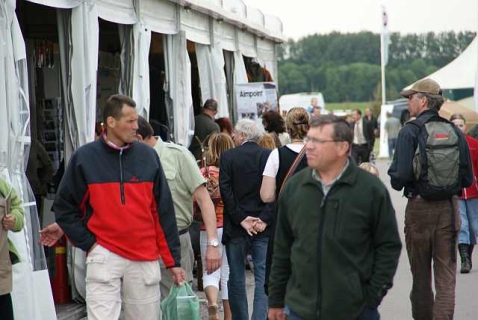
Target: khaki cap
423 86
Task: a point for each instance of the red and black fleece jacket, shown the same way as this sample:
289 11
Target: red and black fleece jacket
119 198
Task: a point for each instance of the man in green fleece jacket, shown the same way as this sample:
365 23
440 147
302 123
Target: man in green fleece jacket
337 243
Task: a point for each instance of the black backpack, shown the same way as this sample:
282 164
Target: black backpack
437 158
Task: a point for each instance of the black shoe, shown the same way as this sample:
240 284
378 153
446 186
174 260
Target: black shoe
470 252
465 258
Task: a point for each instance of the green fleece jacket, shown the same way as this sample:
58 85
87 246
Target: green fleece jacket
6 190
333 255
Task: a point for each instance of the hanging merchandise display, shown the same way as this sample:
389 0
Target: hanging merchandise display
44 54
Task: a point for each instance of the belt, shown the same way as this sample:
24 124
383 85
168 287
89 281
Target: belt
181 232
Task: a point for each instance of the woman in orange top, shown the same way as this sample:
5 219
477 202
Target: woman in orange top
217 143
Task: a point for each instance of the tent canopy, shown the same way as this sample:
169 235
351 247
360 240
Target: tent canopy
461 72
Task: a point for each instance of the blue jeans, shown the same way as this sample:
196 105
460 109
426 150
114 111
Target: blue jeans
367 314
392 143
469 221
237 250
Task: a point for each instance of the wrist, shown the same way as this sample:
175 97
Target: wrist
213 243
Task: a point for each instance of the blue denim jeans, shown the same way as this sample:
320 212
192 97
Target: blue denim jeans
237 250
367 314
392 143
469 221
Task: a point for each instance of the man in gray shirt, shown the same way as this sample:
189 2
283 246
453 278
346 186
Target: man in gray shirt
392 127
204 126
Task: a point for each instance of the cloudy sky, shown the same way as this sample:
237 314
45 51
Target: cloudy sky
304 17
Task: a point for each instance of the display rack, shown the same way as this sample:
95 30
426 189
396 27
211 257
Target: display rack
51 129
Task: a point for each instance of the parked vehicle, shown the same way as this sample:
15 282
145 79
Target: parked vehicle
289 101
400 110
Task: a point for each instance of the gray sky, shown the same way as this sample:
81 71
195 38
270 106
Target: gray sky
304 17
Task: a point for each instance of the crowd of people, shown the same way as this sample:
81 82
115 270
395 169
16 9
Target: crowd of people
297 196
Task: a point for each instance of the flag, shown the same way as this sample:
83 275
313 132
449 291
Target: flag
385 37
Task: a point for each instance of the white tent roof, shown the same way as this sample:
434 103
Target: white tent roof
460 73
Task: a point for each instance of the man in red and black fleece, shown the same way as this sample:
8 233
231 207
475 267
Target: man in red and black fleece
114 203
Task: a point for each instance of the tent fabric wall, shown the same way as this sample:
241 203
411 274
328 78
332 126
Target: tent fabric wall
273 25
256 16
196 25
62 4
212 77
36 300
237 7
240 77
247 44
127 59
117 11
159 16
78 32
225 34
178 77
78 38
141 94
84 66
266 53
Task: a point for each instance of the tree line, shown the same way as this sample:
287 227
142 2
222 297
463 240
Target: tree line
346 66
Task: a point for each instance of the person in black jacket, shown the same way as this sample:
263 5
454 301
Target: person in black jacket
246 217
431 227
114 203
362 144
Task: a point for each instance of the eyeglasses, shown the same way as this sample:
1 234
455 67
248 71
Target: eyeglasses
318 141
410 97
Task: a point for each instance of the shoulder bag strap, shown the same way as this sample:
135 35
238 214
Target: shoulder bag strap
293 167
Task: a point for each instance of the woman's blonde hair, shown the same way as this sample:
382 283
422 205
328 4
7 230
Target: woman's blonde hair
367 166
267 141
217 143
297 123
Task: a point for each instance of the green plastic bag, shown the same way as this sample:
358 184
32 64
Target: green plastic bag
181 304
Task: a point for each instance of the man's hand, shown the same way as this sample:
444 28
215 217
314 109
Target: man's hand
51 234
213 259
248 225
8 222
178 274
276 314
260 226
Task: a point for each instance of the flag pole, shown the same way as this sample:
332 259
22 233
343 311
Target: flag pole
383 58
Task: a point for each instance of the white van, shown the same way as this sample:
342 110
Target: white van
289 101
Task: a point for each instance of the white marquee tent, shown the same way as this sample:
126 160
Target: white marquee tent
461 72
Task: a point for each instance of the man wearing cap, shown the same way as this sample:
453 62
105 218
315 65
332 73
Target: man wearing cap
204 125
431 226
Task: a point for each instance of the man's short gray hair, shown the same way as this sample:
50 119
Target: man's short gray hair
435 101
250 129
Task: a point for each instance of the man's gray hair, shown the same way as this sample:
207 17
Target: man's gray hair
250 129
435 101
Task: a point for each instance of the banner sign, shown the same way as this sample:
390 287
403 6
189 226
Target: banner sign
254 99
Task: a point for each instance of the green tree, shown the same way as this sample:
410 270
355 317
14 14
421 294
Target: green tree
346 67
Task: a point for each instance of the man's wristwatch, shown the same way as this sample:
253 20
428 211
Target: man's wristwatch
213 243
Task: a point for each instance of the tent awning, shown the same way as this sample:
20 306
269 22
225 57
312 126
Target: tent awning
460 73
